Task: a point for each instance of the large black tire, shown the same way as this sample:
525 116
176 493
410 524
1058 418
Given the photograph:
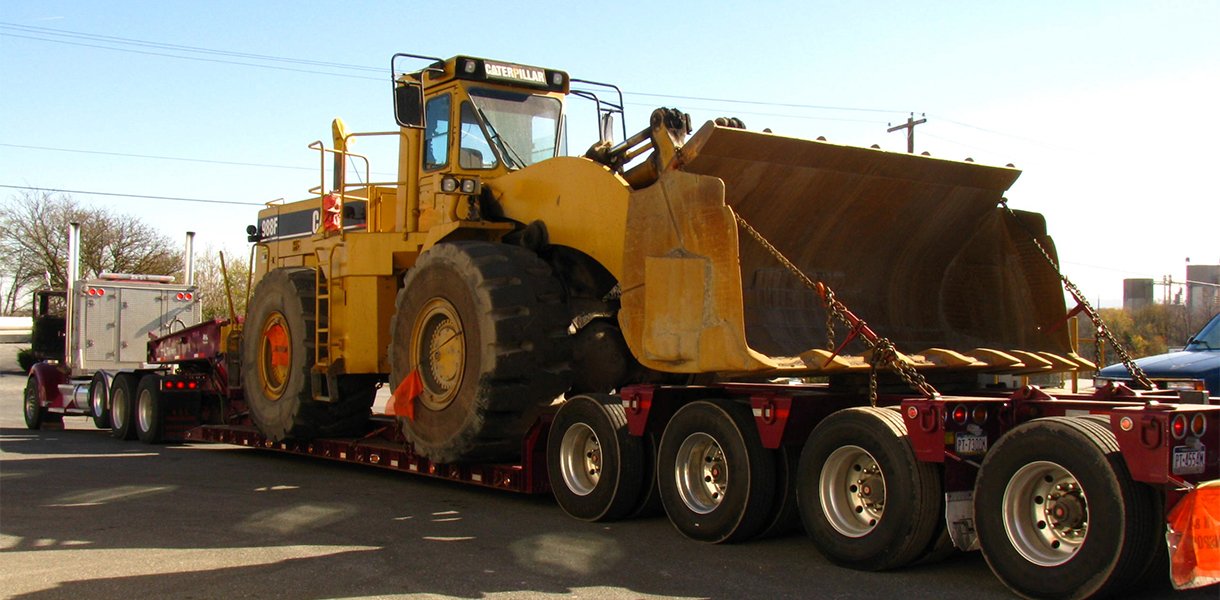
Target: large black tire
1058 515
35 414
99 401
596 468
123 406
486 326
785 517
715 478
649 504
277 355
150 410
864 498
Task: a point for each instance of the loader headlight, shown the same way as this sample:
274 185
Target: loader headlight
466 185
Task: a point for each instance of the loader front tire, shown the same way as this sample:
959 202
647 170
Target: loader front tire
485 325
277 355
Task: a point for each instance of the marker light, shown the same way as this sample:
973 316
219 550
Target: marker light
1198 425
980 414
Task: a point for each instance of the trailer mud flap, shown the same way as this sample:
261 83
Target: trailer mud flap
1194 538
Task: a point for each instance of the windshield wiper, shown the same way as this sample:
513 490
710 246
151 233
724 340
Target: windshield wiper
511 158
1203 342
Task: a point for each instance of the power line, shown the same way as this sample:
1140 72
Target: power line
757 102
178 158
93 193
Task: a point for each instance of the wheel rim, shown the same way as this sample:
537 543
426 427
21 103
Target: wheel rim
275 356
97 400
852 491
438 346
145 410
31 404
1046 514
580 459
702 473
118 410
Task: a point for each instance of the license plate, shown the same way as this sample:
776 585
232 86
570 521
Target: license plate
1188 460
970 444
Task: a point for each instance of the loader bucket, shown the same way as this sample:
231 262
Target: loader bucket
915 246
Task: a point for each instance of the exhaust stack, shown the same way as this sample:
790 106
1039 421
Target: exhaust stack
70 285
188 260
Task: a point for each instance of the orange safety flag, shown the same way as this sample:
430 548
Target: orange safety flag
402 403
1194 538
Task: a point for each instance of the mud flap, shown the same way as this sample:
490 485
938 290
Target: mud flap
1194 538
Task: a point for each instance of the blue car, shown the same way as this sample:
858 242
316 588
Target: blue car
1199 360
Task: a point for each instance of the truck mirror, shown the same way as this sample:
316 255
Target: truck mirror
607 133
409 105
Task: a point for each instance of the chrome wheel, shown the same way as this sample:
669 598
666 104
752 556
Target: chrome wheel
97 399
852 491
702 473
580 459
118 409
1046 513
145 411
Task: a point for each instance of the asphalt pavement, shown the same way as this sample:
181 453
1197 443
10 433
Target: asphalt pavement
85 516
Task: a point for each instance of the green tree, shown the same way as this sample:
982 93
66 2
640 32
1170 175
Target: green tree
34 245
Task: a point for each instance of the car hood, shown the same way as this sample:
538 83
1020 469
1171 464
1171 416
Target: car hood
1192 364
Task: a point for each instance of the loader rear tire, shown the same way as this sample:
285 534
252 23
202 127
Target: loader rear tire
596 468
277 356
1058 514
485 325
123 406
715 478
865 499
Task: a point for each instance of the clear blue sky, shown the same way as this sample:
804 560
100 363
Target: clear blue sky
1108 107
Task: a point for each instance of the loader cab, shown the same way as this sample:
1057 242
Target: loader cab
473 120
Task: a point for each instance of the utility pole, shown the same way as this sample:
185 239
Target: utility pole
910 127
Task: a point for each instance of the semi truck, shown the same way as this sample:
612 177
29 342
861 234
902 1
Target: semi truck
745 331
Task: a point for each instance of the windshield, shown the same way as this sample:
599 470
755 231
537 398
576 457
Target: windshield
1208 337
523 128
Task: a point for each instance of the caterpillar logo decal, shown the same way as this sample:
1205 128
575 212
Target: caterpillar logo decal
304 223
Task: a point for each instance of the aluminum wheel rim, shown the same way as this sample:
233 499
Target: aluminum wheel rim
580 459
852 491
144 412
97 400
1046 513
118 409
439 352
702 473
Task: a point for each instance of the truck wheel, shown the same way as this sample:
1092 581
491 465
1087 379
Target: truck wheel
596 468
35 414
277 354
485 325
150 410
1058 514
864 499
123 406
99 401
715 478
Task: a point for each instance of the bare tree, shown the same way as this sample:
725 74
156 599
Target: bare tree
34 245
210 279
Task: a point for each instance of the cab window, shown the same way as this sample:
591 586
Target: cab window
475 151
436 132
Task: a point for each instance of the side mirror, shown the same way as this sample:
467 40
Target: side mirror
607 126
409 105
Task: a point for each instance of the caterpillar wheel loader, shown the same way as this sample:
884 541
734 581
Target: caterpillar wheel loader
495 275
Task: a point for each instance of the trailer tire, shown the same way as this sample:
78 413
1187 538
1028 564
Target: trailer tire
99 401
715 478
1058 514
596 468
123 406
486 327
149 410
35 414
649 503
785 517
847 456
277 355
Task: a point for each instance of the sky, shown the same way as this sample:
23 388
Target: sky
1109 108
